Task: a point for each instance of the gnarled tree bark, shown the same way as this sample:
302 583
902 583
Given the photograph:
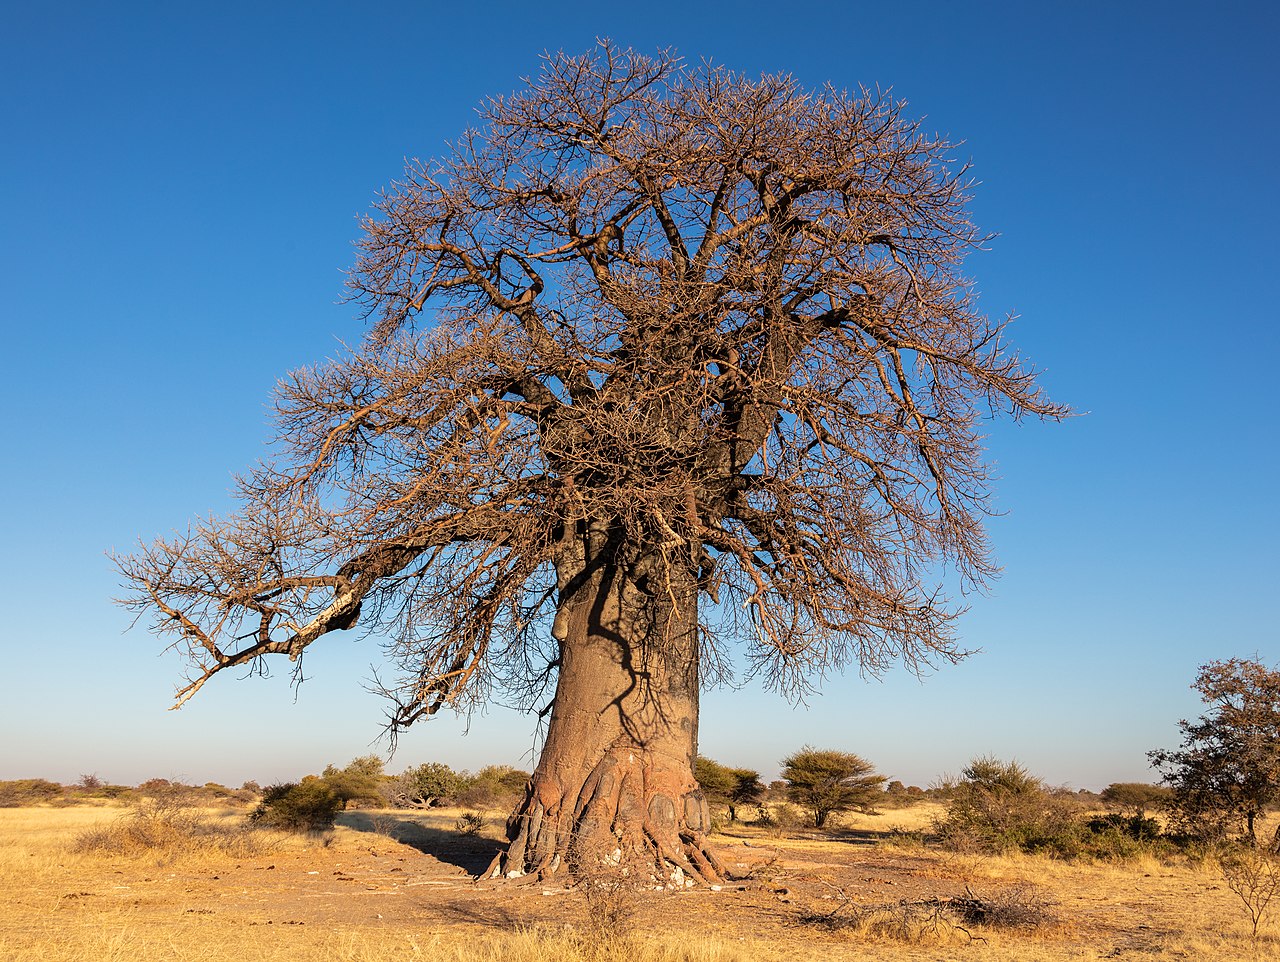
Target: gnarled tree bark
616 772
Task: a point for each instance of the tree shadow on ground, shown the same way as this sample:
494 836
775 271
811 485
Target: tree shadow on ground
872 836
488 916
852 836
472 854
833 833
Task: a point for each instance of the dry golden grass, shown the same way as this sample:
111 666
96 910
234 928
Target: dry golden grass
359 895
917 818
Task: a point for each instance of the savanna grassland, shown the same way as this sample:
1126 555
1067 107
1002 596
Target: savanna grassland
100 883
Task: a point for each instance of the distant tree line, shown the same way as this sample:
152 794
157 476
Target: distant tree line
1216 788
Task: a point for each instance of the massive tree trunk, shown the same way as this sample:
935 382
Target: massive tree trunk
615 781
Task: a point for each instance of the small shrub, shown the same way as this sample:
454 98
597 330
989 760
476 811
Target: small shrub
904 838
936 921
1253 873
610 881
308 806
470 823
779 820
153 825
166 827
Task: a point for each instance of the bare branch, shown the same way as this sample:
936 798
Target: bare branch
701 335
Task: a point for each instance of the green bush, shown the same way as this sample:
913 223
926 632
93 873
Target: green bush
494 786
308 806
1118 838
361 781
999 806
1134 826
433 783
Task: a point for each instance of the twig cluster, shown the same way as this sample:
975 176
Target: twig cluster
707 330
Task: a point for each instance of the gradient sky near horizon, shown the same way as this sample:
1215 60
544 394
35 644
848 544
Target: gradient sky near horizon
181 187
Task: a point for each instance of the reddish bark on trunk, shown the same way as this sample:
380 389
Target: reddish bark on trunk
615 779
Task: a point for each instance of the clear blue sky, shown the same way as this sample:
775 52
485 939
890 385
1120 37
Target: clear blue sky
180 189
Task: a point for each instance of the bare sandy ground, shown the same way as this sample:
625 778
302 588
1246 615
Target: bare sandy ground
385 877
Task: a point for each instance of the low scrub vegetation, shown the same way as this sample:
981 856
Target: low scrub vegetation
169 827
980 904
470 823
28 791
91 790
307 806
939 921
1253 873
996 807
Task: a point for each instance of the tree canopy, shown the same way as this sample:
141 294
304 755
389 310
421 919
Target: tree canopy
826 781
1227 771
724 315
1134 797
730 787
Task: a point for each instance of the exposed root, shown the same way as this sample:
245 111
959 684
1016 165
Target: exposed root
626 812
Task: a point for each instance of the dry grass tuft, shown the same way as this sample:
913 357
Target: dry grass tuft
164 827
937 921
541 944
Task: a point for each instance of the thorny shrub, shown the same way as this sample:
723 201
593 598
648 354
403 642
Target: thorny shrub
998 806
470 823
1253 874
779 820
169 827
611 879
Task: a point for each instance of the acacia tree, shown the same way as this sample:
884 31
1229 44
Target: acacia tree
1227 771
663 360
1134 797
726 786
826 781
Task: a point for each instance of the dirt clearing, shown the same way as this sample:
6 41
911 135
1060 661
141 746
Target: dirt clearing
400 886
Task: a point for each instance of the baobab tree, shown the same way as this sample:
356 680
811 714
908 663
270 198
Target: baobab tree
664 363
